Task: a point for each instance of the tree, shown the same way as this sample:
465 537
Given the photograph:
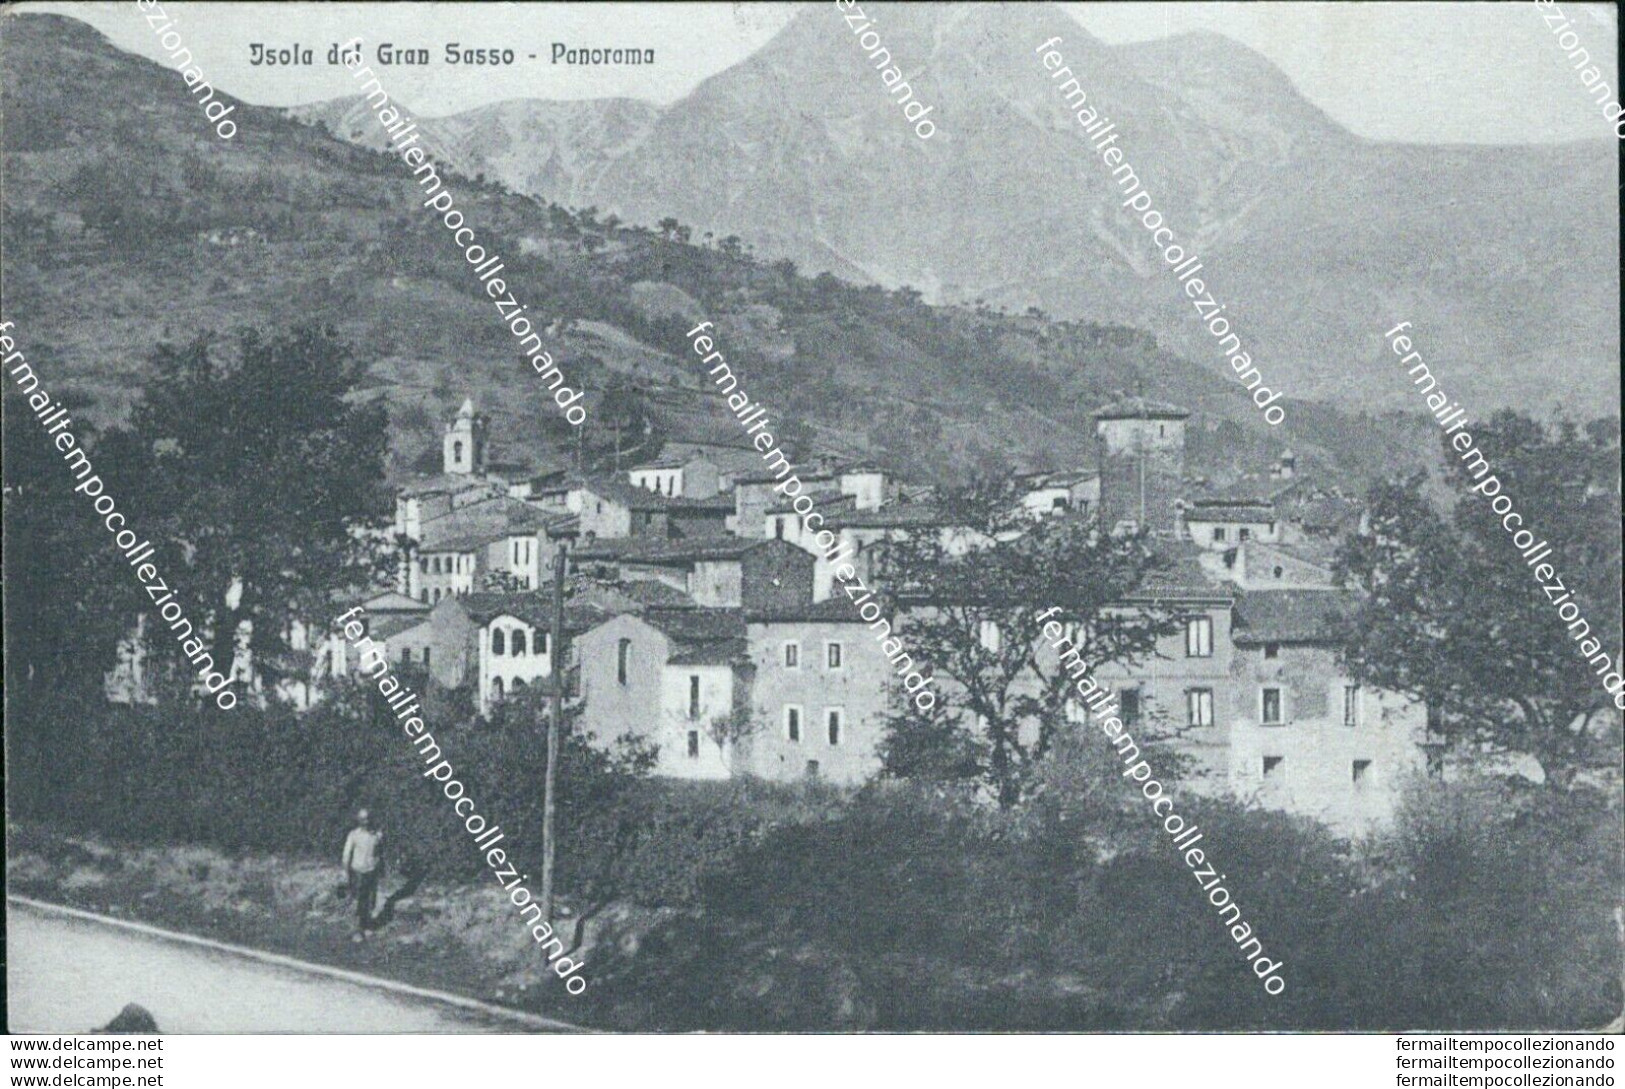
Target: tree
261 480
69 596
733 729
1452 613
500 582
978 615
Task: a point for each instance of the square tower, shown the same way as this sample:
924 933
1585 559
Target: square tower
1140 444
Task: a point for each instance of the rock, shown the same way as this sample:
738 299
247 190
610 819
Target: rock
132 1018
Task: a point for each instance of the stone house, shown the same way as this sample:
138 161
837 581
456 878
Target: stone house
1302 735
820 692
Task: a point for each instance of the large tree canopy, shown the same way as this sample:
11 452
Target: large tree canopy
259 474
974 614
1454 615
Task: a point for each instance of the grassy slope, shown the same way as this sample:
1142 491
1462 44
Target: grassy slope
933 392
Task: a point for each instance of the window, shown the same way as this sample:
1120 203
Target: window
1199 637
423 566
1220 533
406 654
832 655
1270 707
499 642
833 722
778 528
437 595
812 769
496 688
456 453
1129 703
694 744
1276 571
520 644
623 656
1274 767
1360 771
792 656
792 723
425 657
693 695
1244 534
423 594
1351 705
1199 703
1269 527
1272 650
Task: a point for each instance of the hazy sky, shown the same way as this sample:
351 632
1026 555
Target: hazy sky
1423 72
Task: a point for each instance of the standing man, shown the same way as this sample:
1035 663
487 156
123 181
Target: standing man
362 855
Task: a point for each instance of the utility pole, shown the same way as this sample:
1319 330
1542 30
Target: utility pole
560 561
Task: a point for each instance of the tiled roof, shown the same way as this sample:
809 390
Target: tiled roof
721 652
835 610
1311 551
723 503
895 515
773 478
534 607
627 495
1218 510
675 551
692 626
393 602
487 516
1140 408
652 594
1183 578
823 500
468 542
449 482
387 627
1289 616
1327 513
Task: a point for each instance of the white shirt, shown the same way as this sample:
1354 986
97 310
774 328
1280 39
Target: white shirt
361 850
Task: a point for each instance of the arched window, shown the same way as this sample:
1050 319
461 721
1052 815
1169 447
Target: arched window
517 685
456 453
499 642
437 595
520 644
623 657
496 688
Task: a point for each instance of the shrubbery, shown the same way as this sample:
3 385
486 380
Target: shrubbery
907 905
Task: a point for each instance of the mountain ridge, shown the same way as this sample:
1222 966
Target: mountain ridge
1006 203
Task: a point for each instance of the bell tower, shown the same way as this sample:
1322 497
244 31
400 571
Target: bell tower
463 450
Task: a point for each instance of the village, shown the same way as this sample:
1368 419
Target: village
702 618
